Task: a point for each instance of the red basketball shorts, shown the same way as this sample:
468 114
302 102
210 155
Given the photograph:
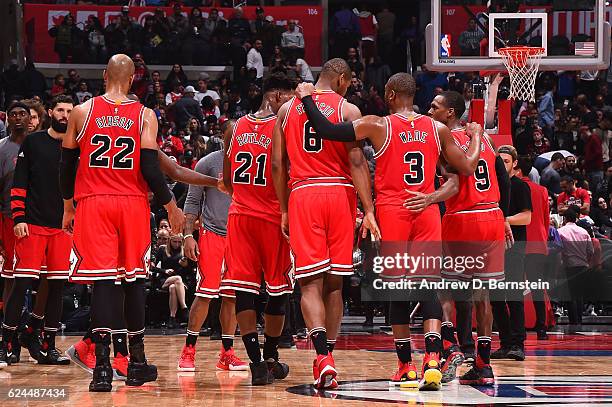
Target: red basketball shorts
322 229
256 250
210 264
415 238
112 239
478 235
43 246
8 244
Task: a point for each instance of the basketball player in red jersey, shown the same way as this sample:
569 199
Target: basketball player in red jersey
320 211
256 247
473 208
115 139
408 146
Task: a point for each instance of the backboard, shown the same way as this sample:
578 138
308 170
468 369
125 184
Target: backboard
465 35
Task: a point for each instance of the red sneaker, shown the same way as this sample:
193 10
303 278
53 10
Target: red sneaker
186 362
406 376
431 375
324 372
229 361
120 366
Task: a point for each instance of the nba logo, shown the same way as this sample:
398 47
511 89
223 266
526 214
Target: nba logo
445 46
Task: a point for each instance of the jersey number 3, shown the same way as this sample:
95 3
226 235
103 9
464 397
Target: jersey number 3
121 160
415 174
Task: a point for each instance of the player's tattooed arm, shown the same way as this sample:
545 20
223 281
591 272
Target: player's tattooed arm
280 166
228 135
463 162
185 175
419 201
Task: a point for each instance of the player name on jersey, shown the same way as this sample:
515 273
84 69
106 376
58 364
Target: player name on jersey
323 107
114 121
417 136
253 138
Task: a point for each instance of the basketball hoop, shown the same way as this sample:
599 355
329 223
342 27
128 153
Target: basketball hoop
522 64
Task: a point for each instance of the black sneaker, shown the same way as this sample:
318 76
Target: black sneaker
302 333
102 380
542 335
52 357
516 353
260 374
140 373
478 377
278 369
215 336
5 356
501 353
31 341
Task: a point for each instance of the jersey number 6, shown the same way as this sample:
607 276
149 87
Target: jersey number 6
312 143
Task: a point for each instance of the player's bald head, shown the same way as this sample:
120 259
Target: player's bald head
120 68
402 84
336 67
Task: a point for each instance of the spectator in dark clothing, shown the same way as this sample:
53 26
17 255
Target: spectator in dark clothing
345 31
123 36
426 82
238 105
238 27
35 81
11 83
551 178
68 38
152 41
469 40
355 63
171 267
593 156
186 108
377 75
602 215
176 74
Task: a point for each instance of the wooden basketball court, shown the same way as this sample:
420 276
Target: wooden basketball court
567 369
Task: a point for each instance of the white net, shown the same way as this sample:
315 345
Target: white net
522 64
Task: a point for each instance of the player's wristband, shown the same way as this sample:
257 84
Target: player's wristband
187 236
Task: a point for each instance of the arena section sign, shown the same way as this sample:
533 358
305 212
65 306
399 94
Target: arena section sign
39 18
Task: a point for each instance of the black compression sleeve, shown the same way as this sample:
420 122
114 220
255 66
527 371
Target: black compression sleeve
504 185
68 169
324 128
149 167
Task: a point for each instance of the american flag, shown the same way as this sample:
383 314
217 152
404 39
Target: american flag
584 48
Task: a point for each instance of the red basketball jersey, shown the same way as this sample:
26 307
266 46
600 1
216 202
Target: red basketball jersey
315 161
110 150
250 153
407 159
479 190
